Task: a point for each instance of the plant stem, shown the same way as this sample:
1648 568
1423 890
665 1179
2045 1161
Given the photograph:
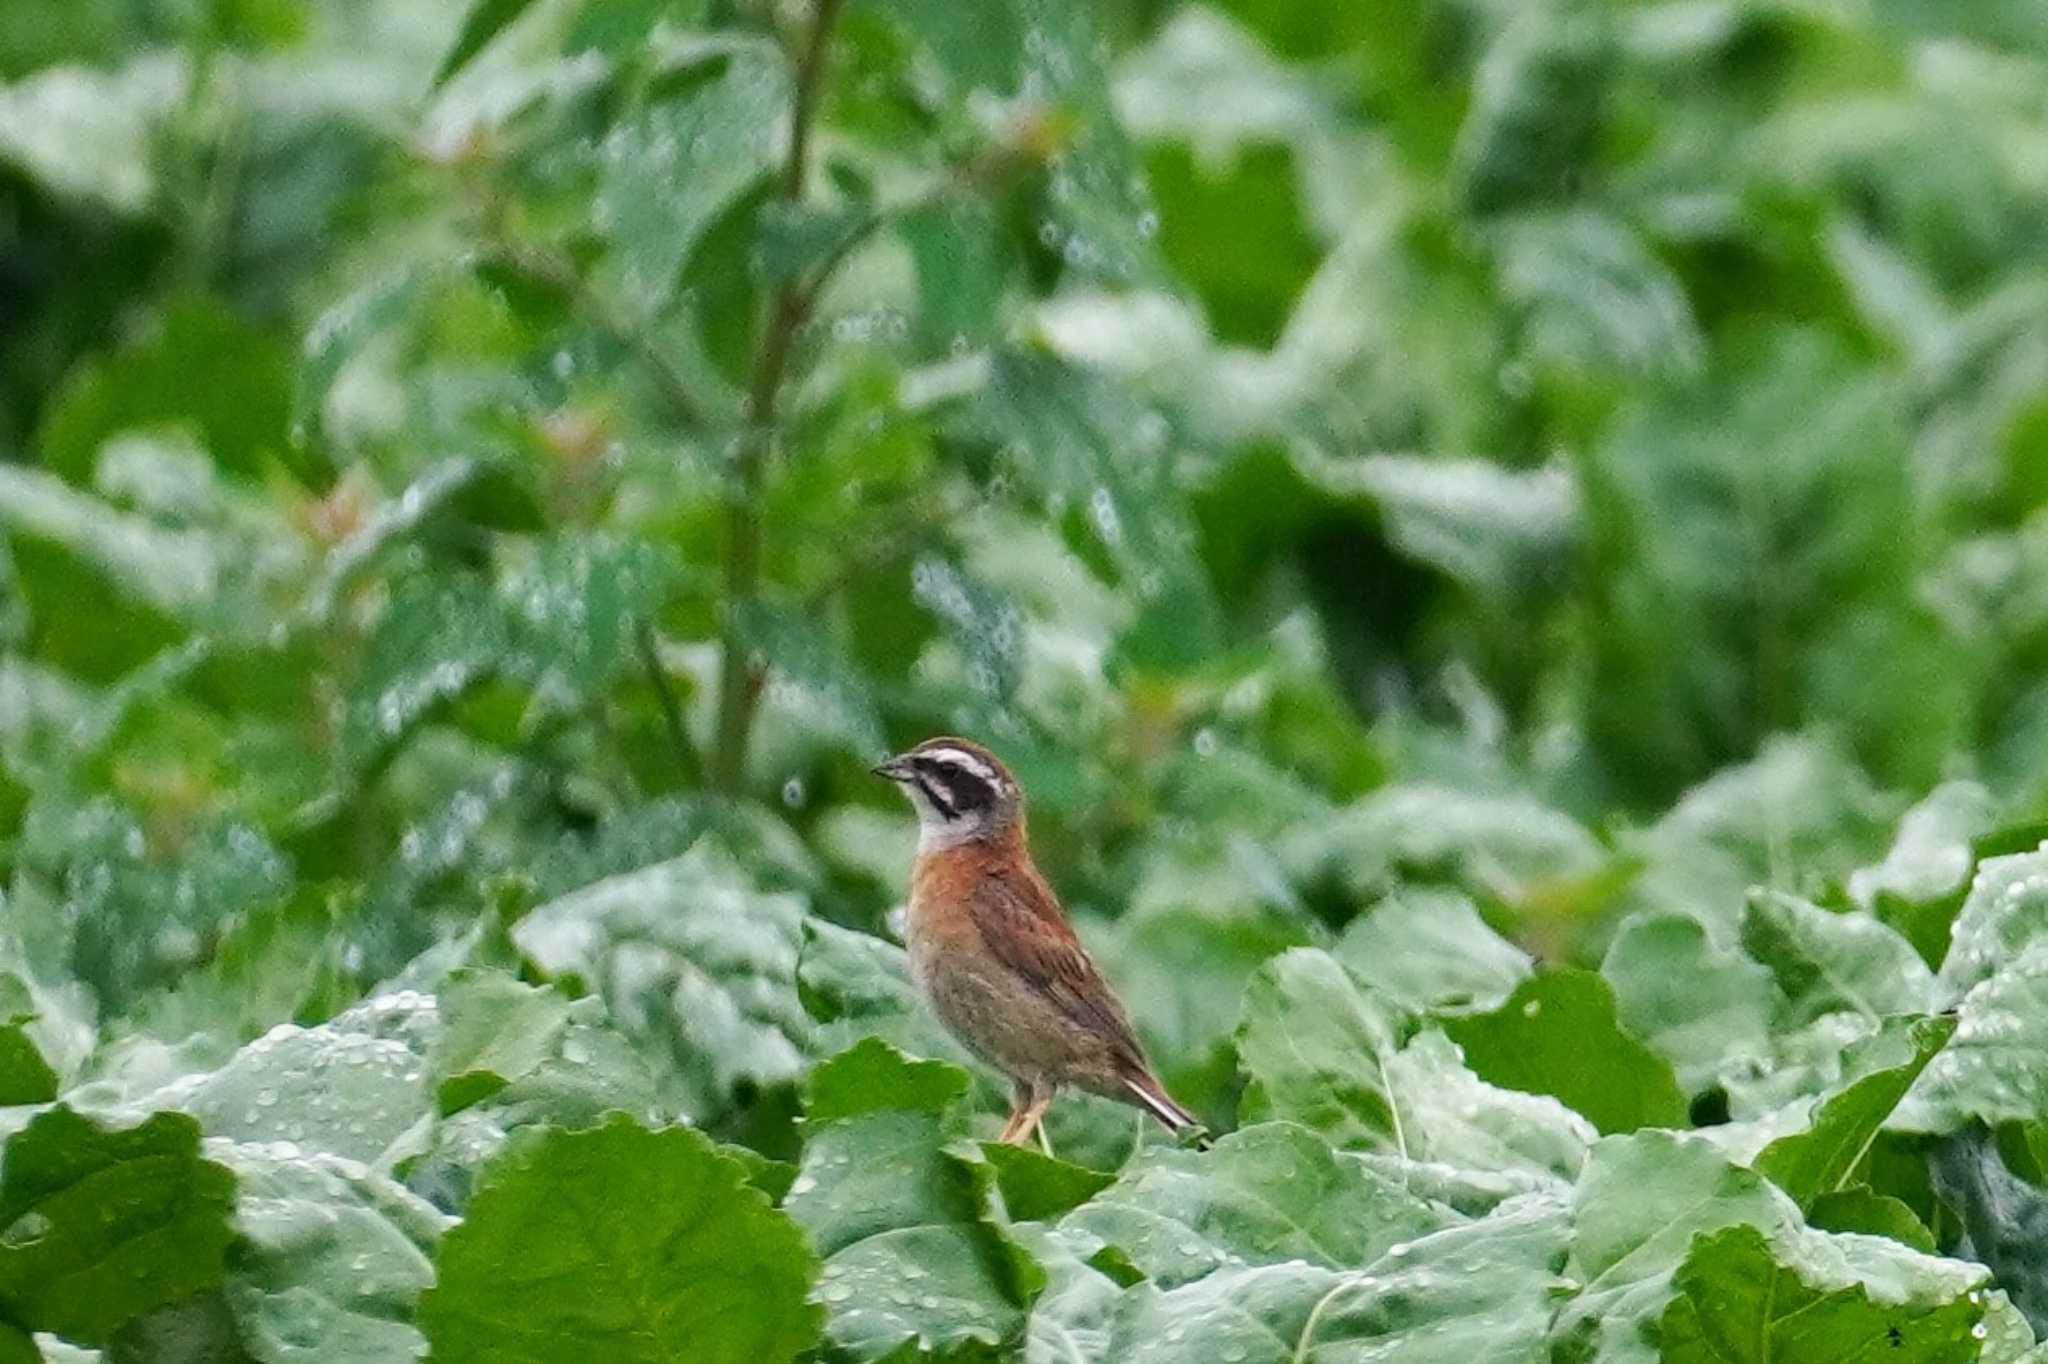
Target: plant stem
665 698
740 679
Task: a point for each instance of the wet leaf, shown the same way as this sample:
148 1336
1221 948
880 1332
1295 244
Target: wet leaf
687 1259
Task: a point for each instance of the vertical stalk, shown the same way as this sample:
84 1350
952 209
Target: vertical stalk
739 678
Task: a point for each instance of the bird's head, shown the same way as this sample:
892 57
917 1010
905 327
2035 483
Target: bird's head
960 790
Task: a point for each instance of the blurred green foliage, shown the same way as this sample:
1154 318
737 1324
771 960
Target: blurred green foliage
1506 543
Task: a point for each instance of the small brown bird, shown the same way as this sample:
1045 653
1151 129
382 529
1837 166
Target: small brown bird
991 949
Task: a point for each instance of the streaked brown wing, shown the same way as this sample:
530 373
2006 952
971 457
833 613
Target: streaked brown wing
1024 929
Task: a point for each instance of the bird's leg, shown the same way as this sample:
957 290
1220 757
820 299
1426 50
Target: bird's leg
1032 1103
1020 1104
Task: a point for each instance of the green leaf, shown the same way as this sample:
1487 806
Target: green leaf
1536 108
1497 532
105 1223
1452 1117
672 168
1868 1213
1318 1050
485 20
1826 962
1930 857
1991 1069
349 1087
1315 1048
646 1245
1700 1006
2005 911
341 332
494 1030
813 677
1557 1034
1037 1187
1430 951
1821 1159
1741 597
1798 804
904 1219
1595 296
1264 1194
695 964
1483 1291
874 1077
1639 1204
25 1077
1740 1305
331 1256
1436 831
203 369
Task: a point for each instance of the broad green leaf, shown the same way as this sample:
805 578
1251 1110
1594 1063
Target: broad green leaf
1820 1160
581 1072
695 964
334 1257
1639 1204
1070 1321
1799 812
564 625
141 921
1495 531
1740 1304
874 1077
671 168
167 570
1826 962
435 641
1430 951
1319 1050
1483 1291
341 332
203 369
1265 1194
1074 435
647 1245
1990 1070
105 1223
1867 1213
1786 598
1452 1117
1700 1006
2005 911
904 1219
1037 1187
1930 854
348 1087
1314 1048
495 1030
1557 1035
1489 842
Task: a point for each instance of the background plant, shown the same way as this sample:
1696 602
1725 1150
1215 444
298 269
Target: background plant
1505 542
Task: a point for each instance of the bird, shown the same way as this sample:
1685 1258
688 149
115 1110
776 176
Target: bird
992 952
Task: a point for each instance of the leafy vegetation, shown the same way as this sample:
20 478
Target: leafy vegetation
1504 541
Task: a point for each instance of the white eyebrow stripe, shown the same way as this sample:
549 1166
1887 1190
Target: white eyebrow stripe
962 758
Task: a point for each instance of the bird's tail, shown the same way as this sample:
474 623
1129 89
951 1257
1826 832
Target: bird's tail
1147 1093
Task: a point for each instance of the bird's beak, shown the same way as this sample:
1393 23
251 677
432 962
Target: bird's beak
895 769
